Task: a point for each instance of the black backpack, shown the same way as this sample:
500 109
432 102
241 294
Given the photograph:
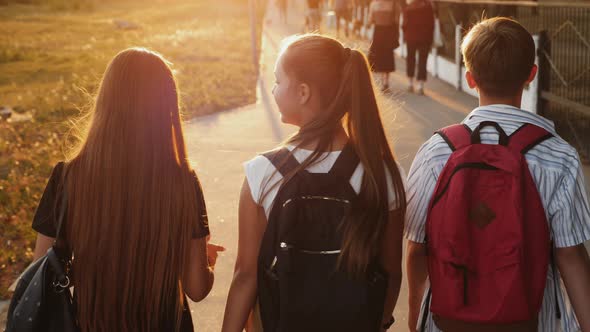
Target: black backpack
300 287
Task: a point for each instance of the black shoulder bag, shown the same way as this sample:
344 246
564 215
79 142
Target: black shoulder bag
42 300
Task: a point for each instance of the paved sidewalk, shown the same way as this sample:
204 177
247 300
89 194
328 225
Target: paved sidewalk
218 145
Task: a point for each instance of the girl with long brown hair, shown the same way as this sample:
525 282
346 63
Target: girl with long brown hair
326 90
136 222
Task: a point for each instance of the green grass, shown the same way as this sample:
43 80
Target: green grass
52 57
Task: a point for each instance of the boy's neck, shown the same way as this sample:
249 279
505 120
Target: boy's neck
511 101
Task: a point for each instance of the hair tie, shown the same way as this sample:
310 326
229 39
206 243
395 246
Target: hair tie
347 52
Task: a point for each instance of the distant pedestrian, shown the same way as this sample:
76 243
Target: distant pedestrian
385 15
343 10
418 28
282 5
313 17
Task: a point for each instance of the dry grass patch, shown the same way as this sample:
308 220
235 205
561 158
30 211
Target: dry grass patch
51 59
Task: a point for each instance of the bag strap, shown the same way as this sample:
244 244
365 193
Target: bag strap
346 163
457 136
527 137
60 242
63 203
555 283
283 160
60 254
61 216
425 310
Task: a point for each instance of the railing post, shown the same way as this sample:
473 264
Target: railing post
544 71
253 45
435 61
531 94
458 64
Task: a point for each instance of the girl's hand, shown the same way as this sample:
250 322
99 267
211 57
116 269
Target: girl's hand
213 252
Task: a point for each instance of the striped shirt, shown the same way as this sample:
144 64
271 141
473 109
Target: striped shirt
557 172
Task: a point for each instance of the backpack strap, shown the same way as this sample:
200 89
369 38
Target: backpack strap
457 136
425 310
283 160
60 256
527 137
346 163
502 137
62 215
555 283
60 238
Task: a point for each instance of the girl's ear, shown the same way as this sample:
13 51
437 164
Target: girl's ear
304 93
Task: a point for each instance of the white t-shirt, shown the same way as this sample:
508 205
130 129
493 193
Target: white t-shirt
262 174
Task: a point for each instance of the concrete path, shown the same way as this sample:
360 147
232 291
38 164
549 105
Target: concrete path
218 145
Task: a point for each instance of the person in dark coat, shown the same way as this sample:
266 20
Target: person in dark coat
418 28
385 15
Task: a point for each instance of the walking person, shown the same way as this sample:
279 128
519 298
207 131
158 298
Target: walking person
498 212
313 18
343 11
321 217
135 220
418 28
282 5
384 14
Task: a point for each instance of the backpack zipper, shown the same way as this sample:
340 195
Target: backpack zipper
284 246
482 166
309 197
464 271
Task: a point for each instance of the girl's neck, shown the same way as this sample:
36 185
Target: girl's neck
338 142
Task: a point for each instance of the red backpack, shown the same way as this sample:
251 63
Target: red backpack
487 236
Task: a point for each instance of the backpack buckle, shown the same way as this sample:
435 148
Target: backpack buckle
270 271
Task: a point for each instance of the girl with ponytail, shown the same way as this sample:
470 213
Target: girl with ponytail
326 90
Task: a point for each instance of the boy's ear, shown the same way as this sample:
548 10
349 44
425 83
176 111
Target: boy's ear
304 93
533 74
470 80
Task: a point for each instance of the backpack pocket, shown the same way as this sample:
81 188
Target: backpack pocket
501 287
491 290
310 300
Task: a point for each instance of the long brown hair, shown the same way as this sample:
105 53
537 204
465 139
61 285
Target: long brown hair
343 80
131 200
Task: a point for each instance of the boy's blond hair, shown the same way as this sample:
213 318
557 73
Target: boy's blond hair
499 53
